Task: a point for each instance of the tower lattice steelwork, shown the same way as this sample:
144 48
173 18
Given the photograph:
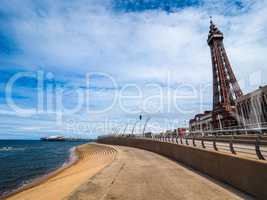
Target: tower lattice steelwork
225 86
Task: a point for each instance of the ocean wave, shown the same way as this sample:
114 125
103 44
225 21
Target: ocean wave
11 149
72 157
35 181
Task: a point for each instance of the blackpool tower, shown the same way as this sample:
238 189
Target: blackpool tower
225 86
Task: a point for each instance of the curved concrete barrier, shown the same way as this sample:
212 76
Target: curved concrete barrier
247 175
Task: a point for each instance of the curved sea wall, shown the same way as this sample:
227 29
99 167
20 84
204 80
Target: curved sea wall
247 175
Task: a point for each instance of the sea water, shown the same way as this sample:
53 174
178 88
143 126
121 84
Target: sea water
22 161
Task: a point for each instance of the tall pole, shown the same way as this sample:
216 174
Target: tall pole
125 129
134 126
145 125
140 127
118 130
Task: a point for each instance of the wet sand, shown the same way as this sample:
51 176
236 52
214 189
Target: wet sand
92 158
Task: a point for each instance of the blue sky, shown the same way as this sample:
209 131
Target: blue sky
156 48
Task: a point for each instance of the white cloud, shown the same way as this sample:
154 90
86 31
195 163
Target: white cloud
137 47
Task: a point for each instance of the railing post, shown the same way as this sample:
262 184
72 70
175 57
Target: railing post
186 141
194 144
232 146
177 141
214 145
257 148
202 143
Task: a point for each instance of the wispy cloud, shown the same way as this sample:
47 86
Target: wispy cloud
134 42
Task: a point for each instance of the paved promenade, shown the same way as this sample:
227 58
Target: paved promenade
138 174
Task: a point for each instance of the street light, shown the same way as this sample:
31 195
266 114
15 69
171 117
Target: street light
145 125
140 118
140 128
134 126
125 129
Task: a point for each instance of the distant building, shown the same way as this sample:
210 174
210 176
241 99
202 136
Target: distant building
252 108
148 135
179 132
201 122
182 132
170 133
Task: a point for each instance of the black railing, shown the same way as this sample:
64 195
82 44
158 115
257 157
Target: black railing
243 129
252 146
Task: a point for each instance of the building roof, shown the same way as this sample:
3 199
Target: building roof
261 89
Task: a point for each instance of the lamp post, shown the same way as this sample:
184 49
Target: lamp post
145 125
140 128
134 126
117 131
125 129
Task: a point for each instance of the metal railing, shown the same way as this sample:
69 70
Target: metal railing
255 128
251 146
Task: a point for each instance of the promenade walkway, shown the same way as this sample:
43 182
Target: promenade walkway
137 174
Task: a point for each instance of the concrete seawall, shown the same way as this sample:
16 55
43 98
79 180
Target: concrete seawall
247 175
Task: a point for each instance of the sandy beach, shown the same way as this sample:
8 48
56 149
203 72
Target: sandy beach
91 159
117 172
